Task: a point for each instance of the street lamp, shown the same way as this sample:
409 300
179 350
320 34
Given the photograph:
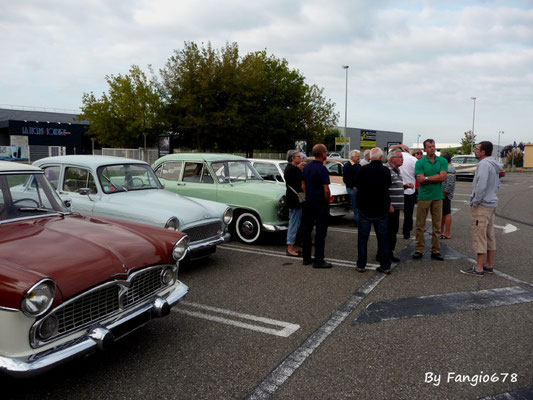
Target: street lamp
345 67
499 151
473 119
417 139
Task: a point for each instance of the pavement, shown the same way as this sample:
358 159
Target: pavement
258 324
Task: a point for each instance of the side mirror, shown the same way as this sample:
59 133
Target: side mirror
279 178
67 203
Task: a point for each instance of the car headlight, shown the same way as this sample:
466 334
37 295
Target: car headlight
180 248
172 224
48 327
228 216
39 298
282 202
168 276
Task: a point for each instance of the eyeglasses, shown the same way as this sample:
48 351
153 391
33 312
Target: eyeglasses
418 153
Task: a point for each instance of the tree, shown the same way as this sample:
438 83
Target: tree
468 142
217 100
129 111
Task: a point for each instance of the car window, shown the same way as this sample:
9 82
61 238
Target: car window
78 178
334 168
283 166
196 172
52 174
170 171
458 160
471 160
125 177
266 170
229 171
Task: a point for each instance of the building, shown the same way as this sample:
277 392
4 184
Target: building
30 135
362 139
528 155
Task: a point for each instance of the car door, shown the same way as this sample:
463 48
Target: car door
268 171
74 179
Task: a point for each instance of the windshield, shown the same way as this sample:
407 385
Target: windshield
126 177
232 171
27 195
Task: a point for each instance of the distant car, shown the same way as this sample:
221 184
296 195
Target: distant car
128 189
466 167
273 170
258 205
334 154
73 284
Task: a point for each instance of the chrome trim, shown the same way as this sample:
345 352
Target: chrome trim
210 242
8 309
51 214
275 228
35 364
47 307
123 287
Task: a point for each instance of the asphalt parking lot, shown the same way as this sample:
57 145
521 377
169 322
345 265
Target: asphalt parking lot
258 324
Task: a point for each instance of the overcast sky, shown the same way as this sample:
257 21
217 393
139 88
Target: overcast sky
413 65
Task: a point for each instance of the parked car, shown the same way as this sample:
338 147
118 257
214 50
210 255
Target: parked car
258 205
466 166
128 189
273 170
334 166
72 284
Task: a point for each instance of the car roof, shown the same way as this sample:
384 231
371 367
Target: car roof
90 161
10 166
268 160
201 156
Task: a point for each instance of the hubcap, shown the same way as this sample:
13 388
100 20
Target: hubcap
248 227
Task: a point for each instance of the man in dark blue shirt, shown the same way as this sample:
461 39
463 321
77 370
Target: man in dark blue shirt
316 207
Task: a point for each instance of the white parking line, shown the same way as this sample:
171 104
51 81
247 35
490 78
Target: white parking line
264 252
286 330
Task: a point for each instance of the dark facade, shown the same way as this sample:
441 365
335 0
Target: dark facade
45 131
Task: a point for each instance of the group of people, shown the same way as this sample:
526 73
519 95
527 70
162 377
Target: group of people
379 192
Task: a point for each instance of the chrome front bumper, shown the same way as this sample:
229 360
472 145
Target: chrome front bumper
275 228
97 337
198 249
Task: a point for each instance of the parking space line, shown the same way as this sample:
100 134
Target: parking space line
273 253
286 330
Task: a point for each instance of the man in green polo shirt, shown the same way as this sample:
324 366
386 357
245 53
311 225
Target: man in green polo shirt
430 172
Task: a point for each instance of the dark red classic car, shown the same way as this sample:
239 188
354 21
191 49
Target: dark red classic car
72 284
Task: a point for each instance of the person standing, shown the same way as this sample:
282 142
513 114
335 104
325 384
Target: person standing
349 172
397 198
366 158
448 188
373 200
430 171
484 200
293 182
316 207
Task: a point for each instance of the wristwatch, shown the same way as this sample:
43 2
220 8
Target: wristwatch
426 179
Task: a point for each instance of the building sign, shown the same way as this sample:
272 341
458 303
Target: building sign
17 151
34 130
164 144
368 139
340 140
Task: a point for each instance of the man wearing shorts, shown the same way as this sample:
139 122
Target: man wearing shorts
484 201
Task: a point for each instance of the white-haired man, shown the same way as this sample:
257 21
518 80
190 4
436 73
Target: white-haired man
349 172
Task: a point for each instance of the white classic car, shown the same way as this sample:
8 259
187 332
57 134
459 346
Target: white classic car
272 170
128 189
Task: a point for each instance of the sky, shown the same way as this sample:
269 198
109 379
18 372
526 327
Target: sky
414 66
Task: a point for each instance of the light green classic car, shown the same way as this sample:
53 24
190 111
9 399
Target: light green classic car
258 205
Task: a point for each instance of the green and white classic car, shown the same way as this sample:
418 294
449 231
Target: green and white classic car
128 189
258 205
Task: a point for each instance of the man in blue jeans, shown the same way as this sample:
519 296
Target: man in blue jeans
349 172
373 200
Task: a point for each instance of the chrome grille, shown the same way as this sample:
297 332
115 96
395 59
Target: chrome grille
88 308
201 232
142 285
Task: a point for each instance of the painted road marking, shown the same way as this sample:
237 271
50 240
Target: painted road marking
442 304
508 228
273 253
207 312
284 371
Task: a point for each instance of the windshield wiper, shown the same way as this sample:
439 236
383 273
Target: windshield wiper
115 185
41 209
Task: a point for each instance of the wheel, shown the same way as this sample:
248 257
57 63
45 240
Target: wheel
247 227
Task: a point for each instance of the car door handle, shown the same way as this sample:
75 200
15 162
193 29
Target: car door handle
180 184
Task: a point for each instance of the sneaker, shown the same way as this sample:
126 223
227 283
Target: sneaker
488 270
383 270
417 255
437 256
472 271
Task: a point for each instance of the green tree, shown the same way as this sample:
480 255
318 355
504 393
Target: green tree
468 143
216 100
129 111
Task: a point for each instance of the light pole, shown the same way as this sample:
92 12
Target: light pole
473 120
345 67
499 151
417 139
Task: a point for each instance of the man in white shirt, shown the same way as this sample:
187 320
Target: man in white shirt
407 170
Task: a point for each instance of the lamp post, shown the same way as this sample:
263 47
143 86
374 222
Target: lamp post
92 140
417 139
473 120
345 67
499 150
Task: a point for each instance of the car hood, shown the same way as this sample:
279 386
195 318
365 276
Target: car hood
167 204
77 252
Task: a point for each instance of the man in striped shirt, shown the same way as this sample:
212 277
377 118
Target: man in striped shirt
396 192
